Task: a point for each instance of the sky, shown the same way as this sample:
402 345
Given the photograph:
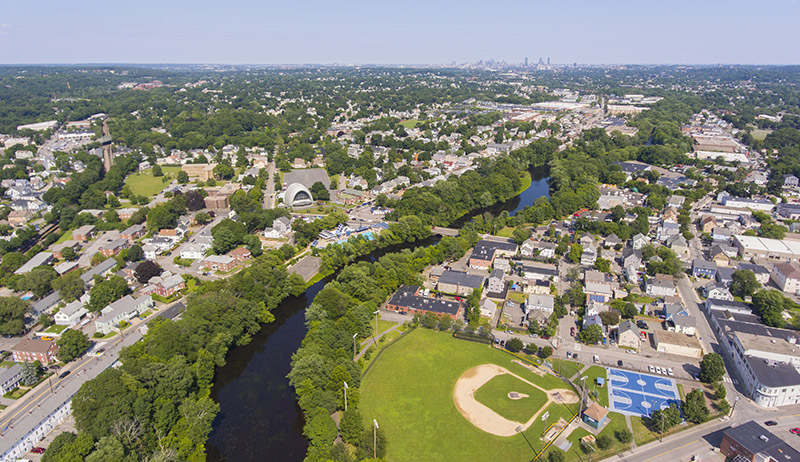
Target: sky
400 32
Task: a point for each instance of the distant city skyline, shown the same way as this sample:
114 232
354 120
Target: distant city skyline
411 32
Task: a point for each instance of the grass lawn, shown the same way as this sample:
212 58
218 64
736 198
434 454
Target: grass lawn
409 391
591 383
644 299
506 232
526 181
382 326
103 337
55 329
494 394
410 123
566 368
145 184
67 235
615 423
518 297
16 393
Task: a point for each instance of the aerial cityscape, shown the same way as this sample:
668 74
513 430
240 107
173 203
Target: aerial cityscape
352 236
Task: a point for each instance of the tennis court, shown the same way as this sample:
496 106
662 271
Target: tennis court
638 394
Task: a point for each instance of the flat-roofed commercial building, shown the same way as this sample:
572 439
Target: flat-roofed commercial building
771 249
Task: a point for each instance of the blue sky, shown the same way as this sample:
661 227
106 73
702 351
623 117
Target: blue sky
408 31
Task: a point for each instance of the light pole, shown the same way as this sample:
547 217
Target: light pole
376 312
345 396
375 439
736 400
544 429
355 353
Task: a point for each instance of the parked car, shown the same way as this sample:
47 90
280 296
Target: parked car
642 325
670 372
770 423
795 430
63 374
658 369
38 450
651 368
619 363
574 355
569 354
596 358
571 331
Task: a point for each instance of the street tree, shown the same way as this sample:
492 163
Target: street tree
694 408
515 345
71 345
744 283
146 270
592 334
712 368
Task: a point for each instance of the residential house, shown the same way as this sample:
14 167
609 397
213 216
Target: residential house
547 249
65 267
661 285
526 248
222 263
667 230
35 349
704 269
717 291
84 233
599 287
150 251
241 254
113 247
721 234
628 335
133 233
459 283
102 268
544 303
41 258
719 256
589 255
612 240
678 245
539 271
488 308
761 272
280 227
639 240
121 310
165 285
720 305
632 258
194 250
71 314
787 277
725 275
790 181
536 286
496 284
708 223
10 377
408 299
502 264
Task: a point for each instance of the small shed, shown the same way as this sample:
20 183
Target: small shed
595 415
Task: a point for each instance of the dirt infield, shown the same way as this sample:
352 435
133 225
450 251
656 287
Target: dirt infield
484 417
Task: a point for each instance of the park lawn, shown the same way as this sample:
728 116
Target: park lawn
616 422
145 184
494 394
409 391
382 326
591 375
566 368
411 123
506 232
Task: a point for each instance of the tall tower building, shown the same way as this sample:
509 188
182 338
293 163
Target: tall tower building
526 61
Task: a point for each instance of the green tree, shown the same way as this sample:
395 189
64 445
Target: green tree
720 392
105 292
183 177
610 317
514 345
694 408
29 374
320 428
602 265
351 426
521 234
68 254
223 172
664 418
575 252
712 368
12 315
744 283
71 345
555 455
319 192
769 305
69 447
39 280
107 449
157 171
592 334
70 286
604 442
545 352
227 234
146 270
624 436
135 253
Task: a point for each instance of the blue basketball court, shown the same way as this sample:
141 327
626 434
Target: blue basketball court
638 394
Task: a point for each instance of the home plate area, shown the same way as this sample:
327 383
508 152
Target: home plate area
638 394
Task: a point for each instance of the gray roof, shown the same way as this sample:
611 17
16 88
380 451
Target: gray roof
773 374
41 258
756 439
497 273
102 267
7 373
461 279
42 305
704 264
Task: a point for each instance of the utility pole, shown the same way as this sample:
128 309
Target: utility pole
736 400
345 396
376 312
375 439
355 353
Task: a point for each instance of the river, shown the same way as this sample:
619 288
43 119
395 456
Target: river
259 418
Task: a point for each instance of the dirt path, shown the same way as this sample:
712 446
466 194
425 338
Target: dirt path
484 417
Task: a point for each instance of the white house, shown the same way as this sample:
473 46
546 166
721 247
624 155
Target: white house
123 309
280 227
787 277
70 314
662 285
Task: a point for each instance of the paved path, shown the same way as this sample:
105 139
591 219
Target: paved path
269 196
367 343
630 429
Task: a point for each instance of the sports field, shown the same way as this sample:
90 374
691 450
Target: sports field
410 392
145 184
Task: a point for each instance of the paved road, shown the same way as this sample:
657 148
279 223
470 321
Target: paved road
269 196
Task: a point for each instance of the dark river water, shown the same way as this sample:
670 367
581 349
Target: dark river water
259 418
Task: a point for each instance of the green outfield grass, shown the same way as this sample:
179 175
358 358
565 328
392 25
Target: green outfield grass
409 391
145 184
494 394
565 367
